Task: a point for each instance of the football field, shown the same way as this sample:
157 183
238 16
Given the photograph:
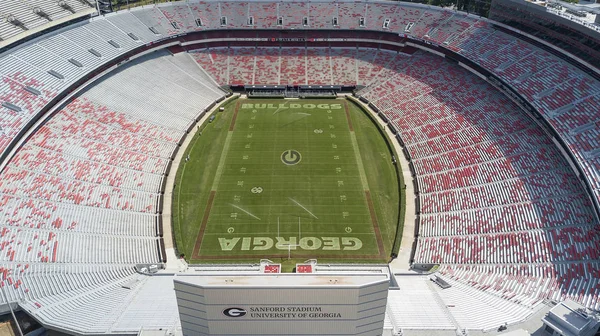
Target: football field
278 178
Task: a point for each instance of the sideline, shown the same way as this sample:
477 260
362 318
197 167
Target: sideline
174 263
402 262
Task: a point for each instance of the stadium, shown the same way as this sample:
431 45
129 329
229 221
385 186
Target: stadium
299 168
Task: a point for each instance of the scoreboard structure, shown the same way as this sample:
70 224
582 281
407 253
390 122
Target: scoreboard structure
282 304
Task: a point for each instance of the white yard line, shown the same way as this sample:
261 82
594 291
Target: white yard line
303 207
221 164
359 162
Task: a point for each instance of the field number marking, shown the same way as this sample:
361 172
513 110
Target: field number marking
256 190
348 229
318 131
230 230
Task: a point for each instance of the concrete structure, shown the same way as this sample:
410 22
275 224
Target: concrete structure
344 304
569 318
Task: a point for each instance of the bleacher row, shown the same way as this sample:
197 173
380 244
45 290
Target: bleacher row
531 283
552 85
493 188
80 199
18 16
283 66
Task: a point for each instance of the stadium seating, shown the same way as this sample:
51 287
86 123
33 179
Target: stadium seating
84 189
343 66
318 66
243 70
493 188
49 11
266 70
501 209
293 66
323 66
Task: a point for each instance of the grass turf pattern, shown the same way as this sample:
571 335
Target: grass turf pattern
312 178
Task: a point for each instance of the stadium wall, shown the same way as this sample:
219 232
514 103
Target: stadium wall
290 304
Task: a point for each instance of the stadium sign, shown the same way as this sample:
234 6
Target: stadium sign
283 312
285 106
280 243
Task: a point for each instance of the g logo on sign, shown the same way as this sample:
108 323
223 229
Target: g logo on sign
234 312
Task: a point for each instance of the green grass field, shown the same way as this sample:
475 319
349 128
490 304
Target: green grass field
312 178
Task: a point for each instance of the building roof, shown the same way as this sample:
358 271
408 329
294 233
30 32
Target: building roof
569 318
283 280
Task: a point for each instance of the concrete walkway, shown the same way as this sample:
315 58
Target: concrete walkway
174 263
402 263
